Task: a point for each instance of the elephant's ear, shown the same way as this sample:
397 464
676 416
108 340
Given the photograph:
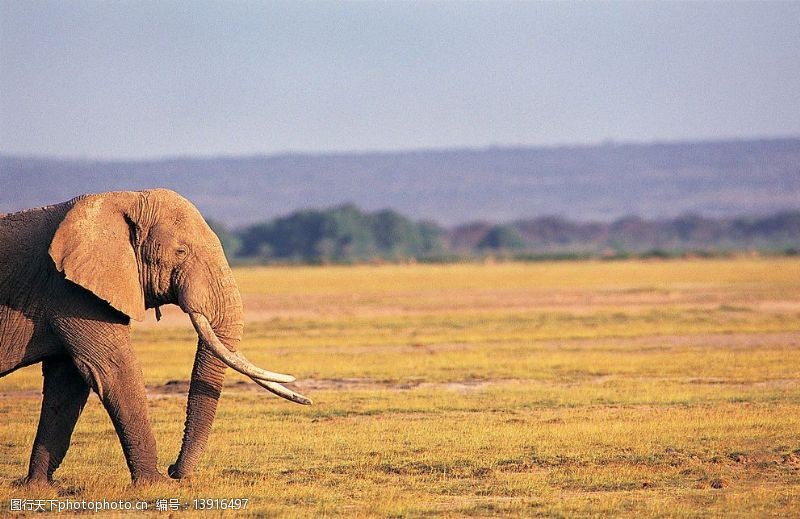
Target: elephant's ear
93 248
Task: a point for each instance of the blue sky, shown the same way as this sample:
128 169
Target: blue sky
153 79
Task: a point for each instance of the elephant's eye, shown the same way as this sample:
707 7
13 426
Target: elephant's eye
181 252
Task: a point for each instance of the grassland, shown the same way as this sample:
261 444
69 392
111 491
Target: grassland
558 389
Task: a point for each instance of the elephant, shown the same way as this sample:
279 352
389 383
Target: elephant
73 276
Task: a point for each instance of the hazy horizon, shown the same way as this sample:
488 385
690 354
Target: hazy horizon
399 151
157 80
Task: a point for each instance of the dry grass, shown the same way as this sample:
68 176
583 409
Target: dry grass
558 389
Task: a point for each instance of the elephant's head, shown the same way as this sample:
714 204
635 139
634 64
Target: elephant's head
139 250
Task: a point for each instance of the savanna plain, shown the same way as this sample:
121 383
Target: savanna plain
630 388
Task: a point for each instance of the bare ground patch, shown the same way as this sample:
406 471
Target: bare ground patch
181 387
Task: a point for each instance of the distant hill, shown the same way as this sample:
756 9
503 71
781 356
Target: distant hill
580 183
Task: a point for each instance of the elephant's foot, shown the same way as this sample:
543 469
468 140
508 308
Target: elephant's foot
42 483
155 478
175 473
34 482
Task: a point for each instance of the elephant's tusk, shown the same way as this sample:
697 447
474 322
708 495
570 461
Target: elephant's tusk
234 359
283 392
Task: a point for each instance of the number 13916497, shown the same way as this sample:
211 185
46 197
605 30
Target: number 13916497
220 504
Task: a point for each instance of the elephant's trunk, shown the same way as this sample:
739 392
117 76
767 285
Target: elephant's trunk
207 377
219 333
217 298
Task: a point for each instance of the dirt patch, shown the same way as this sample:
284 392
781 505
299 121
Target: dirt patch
353 383
365 383
25 393
174 388
171 387
181 387
465 387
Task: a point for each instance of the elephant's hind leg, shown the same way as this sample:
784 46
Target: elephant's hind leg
65 393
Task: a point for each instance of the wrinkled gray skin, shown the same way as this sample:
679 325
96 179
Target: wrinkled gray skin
72 276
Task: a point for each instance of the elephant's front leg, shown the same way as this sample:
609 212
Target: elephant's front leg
64 396
125 400
102 353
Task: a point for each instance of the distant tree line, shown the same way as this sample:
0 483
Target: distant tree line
339 234
347 234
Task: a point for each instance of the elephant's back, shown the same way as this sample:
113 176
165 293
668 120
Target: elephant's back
27 223
24 241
